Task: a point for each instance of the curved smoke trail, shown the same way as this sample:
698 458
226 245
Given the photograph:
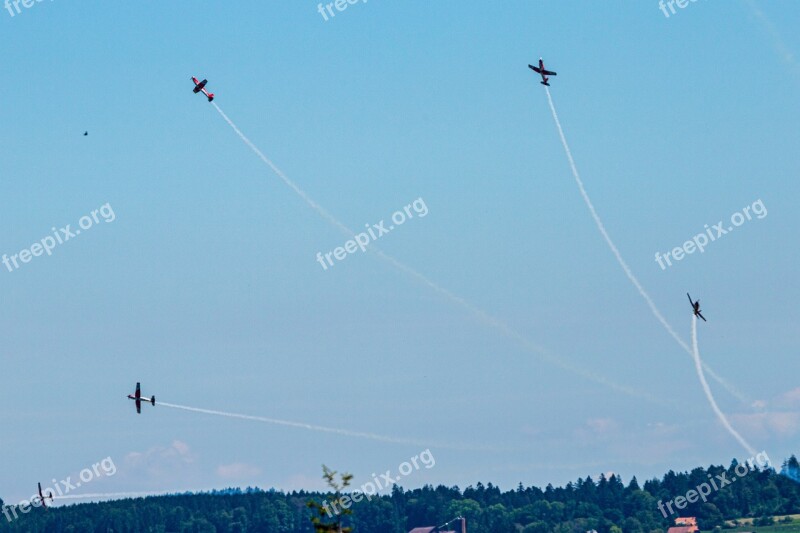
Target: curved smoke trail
628 272
698 364
481 315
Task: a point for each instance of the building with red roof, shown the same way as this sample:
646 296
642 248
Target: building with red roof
684 524
431 529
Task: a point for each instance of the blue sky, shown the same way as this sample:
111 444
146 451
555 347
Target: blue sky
205 286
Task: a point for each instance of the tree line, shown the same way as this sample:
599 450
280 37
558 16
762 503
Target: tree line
606 505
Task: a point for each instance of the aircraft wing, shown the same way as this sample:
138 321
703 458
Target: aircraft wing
701 316
548 73
690 299
42 496
535 69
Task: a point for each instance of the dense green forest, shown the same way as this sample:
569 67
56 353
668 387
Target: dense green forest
606 505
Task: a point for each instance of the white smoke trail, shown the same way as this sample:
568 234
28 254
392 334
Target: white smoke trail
288 423
99 495
510 332
621 261
300 192
778 44
336 431
698 364
481 315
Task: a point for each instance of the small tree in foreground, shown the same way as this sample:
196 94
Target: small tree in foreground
322 511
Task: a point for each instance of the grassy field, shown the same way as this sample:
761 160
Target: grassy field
746 524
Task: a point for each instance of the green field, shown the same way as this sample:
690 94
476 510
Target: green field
778 527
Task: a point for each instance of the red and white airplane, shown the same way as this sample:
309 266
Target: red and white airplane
138 398
42 497
201 86
541 70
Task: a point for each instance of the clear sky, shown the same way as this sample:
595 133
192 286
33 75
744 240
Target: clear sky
206 287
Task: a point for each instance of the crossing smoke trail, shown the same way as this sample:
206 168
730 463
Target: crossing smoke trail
508 331
337 431
698 364
621 261
481 315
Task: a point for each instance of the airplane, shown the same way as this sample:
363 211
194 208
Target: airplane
138 398
541 70
42 497
201 86
696 308
85 133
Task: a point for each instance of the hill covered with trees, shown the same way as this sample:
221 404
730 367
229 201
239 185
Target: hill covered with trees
606 505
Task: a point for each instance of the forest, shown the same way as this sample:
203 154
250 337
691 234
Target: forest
606 505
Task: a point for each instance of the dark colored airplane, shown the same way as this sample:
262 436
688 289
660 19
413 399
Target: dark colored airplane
138 398
42 497
544 72
85 133
696 308
201 86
